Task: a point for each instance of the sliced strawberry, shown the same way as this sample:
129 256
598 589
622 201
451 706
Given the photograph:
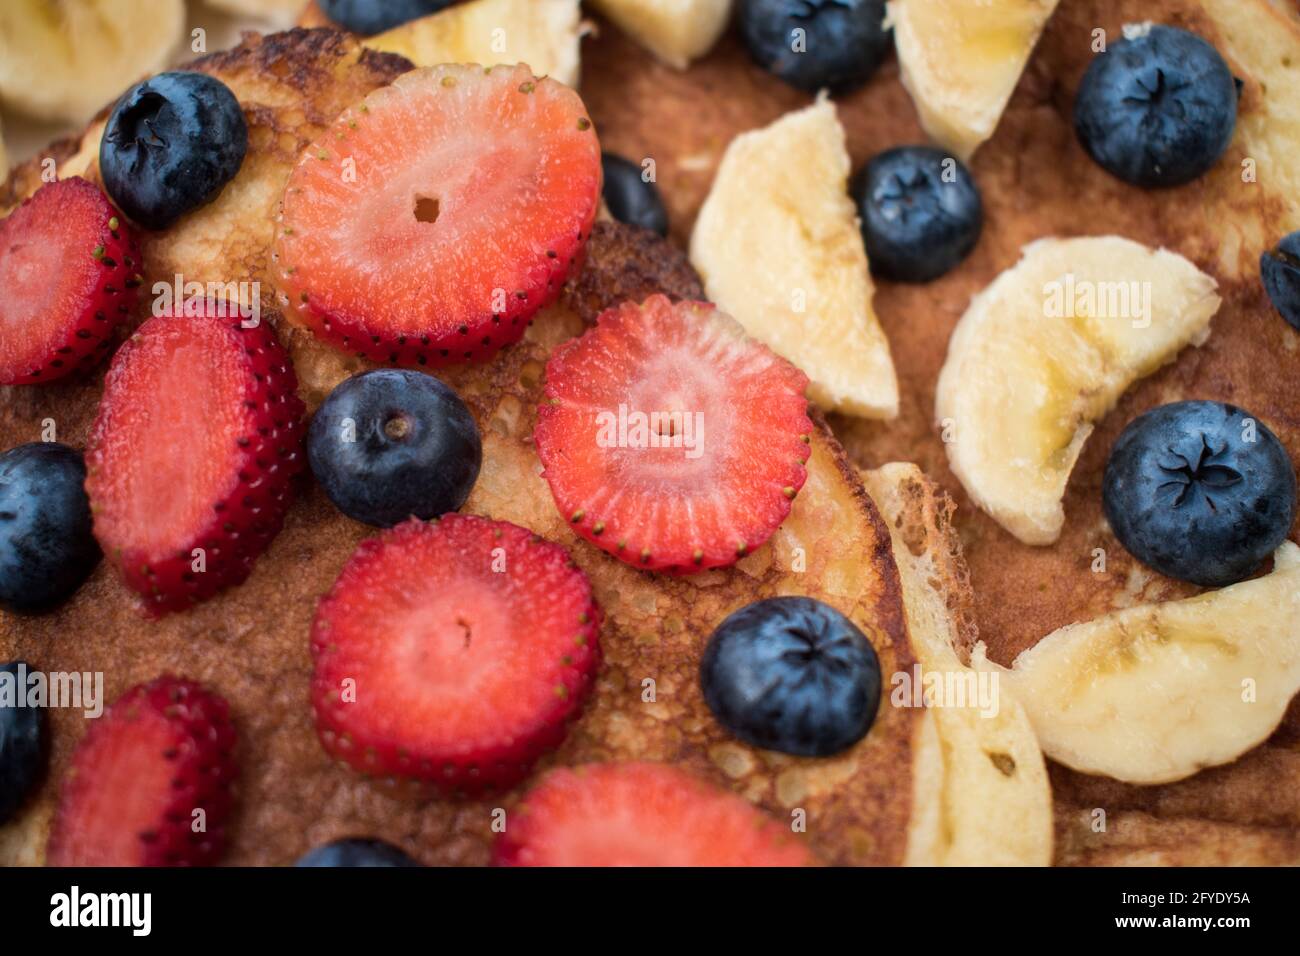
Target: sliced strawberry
713 477
641 814
69 276
163 751
454 652
433 219
190 459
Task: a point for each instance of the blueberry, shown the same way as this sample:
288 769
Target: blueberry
921 212
392 443
1200 491
792 674
46 546
375 16
815 44
1158 109
22 741
1280 268
356 851
171 144
629 197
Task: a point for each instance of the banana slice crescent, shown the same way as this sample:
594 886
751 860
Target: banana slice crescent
778 245
545 34
1044 352
961 62
64 60
676 31
1154 693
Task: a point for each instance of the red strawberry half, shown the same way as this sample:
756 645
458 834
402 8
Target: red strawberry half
190 459
433 219
669 438
161 752
454 652
641 814
69 276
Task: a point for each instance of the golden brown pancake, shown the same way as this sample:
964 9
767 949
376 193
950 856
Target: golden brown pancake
250 644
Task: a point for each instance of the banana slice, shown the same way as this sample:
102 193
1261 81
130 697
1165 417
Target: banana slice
961 62
778 245
542 33
1156 692
676 31
4 158
981 792
63 60
1044 352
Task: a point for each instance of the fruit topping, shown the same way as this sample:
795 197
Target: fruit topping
434 218
962 61
1280 269
1201 491
792 674
641 814
70 275
1157 108
453 652
778 245
150 783
46 546
391 444
545 34
921 212
1044 352
1157 692
190 458
669 438
816 44
631 197
171 145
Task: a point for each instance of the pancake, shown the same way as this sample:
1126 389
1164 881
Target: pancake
250 644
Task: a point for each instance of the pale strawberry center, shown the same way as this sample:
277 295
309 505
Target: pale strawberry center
128 766
174 418
46 273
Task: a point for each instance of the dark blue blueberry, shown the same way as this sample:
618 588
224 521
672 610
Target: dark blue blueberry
393 443
356 851
629 197
816 44
921 212
1280 269
22 741
46 546
1158 109
171 145
375 16
1200 491
792 674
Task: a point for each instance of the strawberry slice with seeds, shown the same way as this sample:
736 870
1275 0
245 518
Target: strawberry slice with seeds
433 219
669 438
190 459
160 754
69 276
453 652
641 814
